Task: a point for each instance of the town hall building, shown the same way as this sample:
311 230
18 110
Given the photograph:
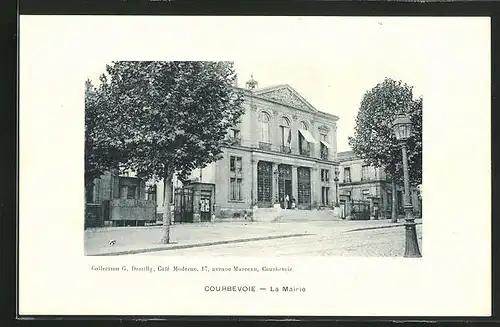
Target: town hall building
283 148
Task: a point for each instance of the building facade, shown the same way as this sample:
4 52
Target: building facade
365 184
283 148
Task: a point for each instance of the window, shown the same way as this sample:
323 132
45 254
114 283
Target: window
131 192
238 166
365 194
235 180
234 134
285 135
347 174
265 131
235 192
365 172
323 148
303 144
325 175
235 165
324 196
324 152
285 132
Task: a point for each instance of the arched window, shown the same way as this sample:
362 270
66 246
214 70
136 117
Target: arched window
265 125
303 125
285 133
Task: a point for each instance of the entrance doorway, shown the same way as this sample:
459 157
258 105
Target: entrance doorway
304 187
205 205
285 186
264 183
183 205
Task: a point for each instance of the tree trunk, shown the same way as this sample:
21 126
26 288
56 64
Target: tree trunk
167 213
394 214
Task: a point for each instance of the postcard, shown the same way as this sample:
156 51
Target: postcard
254 166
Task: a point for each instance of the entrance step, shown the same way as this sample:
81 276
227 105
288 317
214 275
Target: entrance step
307 215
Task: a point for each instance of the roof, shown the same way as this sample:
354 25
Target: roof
287 95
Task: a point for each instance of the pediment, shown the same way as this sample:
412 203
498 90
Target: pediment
286 95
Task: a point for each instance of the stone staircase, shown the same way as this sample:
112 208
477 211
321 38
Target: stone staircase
307 215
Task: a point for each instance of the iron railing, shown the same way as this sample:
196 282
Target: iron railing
285 149
304 152
265 146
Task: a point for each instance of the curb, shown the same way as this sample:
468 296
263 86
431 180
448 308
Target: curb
195 245
378 227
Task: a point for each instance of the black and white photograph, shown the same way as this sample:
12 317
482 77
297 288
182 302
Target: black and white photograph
190 158
254 166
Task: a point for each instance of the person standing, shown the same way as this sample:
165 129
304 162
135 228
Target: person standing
287 200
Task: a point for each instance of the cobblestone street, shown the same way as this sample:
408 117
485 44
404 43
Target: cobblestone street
385 242
314 238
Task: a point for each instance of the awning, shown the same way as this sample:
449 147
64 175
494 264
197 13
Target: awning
326 144
309 138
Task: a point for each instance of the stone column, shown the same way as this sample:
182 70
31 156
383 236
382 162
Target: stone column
332 196
254 181
315 147
315 184
295 184
254 134
295 138
275 198
275 132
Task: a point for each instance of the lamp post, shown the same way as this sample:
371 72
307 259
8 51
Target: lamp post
336 179
402 129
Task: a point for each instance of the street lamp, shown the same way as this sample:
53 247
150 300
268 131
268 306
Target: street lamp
402 130
336 179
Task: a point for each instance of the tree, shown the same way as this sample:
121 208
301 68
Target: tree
101 154
167 118
374 139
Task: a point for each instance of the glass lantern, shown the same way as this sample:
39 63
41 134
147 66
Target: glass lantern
402 127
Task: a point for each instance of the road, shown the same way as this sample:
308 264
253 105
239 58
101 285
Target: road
320 241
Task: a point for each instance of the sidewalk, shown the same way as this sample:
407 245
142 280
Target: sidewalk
130 240
134 240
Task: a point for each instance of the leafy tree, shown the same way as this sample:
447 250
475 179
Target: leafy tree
374 139
168 118
101 154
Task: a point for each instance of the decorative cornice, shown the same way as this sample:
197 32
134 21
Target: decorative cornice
255 150
323 129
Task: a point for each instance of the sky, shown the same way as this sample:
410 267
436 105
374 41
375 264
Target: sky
331 63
